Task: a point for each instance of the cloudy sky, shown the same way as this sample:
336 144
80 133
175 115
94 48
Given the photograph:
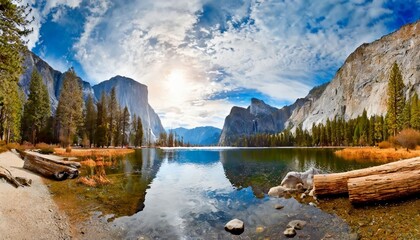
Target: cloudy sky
201 57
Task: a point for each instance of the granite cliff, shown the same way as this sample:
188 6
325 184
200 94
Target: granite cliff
130 93
361 83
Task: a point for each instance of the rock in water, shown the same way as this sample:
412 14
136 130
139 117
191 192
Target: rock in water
294 179
278 191
289 232
235 226
296 224
278 206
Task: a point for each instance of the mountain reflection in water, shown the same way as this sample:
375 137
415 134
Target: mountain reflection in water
193 193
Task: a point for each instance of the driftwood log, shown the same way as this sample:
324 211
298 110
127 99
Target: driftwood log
336 183
61 162
49 169
15 181
384 186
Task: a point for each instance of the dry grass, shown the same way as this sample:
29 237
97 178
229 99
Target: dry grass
376 154
97 152
88 162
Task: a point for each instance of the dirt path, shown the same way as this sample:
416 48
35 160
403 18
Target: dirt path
29 212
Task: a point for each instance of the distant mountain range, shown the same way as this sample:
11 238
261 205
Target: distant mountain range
361 83
129 92
202 136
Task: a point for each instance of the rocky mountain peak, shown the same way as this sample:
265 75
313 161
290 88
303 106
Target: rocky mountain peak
259 107
361 83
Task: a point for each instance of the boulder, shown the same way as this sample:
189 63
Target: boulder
235 226
278 191
289 232
294 179
296 224
278 206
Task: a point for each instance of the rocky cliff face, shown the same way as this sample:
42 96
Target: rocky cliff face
257 118
361 83
53 79
203 136
134 95
130 93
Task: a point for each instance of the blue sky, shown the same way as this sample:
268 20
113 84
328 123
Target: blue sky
201 57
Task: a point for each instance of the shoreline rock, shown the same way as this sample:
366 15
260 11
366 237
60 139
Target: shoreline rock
235 226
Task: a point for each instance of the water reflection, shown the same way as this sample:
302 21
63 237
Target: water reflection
265 168
193 193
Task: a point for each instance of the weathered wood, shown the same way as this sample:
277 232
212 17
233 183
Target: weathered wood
4 173
49 169
336 183
384 186
57 161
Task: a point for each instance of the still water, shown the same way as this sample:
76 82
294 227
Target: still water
192 193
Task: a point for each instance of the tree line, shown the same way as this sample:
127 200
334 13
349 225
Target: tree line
104 123
101 124
401 114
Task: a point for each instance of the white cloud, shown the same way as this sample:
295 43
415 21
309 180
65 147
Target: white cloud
275 47
40 11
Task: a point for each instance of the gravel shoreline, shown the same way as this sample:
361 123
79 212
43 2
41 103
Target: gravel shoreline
28 212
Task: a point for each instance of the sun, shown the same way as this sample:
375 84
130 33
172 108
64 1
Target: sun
175 78
177 84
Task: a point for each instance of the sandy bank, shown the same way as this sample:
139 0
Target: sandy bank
30 212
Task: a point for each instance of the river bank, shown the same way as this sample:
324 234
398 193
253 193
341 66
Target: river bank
29 212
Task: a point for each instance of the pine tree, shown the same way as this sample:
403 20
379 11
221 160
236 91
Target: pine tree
70 107
415 112
90 120
13 27
37 108
406 115
101 122
125 124
118 126
138 139
395 101
170 139
112 111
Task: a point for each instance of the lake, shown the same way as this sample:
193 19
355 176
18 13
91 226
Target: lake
192 193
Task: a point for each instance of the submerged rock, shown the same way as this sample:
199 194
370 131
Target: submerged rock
278 206
235 226
296 224
289 232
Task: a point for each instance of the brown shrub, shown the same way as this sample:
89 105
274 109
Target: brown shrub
45 148
2 142
88 162
68 149
11 146
384 145
408 138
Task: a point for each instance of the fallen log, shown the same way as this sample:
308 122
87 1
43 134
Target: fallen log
4 173
383 187
49 169
57 161
336 183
